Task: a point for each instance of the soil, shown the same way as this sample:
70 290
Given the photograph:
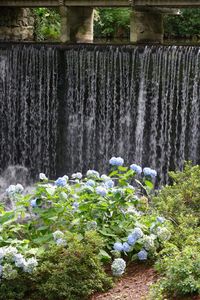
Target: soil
134 285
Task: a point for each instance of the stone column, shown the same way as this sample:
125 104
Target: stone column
16 24
77 24
146 27
65 28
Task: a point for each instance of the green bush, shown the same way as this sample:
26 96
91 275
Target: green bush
179 261
69 273
181 271
182 198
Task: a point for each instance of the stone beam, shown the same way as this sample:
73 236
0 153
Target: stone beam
102 3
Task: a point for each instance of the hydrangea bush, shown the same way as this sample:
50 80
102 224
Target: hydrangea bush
116 206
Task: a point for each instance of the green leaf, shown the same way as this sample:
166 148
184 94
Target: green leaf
122 169
104 255
149 184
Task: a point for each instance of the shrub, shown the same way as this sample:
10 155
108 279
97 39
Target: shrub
73 272
182 198
181 272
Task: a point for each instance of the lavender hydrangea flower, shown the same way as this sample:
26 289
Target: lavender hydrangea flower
118 246
116 161
136 168
142 255
118 267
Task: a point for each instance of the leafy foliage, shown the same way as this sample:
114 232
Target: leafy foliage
47 24
185 25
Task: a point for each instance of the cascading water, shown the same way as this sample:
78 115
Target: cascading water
28 108
71 108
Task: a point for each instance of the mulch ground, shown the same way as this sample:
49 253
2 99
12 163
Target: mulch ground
134 285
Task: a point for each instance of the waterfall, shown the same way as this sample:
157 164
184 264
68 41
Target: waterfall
70 108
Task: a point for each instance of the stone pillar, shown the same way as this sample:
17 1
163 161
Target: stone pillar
65 30
77 24
16 24
146 27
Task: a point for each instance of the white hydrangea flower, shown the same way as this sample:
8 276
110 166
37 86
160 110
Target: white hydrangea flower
42 176
148 242
58 235
163 234
77 175
19 188
30 265
118 267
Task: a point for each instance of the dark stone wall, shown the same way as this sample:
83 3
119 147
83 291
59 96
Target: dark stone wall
16 24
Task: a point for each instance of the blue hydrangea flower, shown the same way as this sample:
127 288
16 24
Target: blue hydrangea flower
131 239
126 247
136 168
160 220
149 172
101 191
61 181
33 203
118 246
142 255
75 206
92 173
109 184
116 161
137 233
90 182
118 267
